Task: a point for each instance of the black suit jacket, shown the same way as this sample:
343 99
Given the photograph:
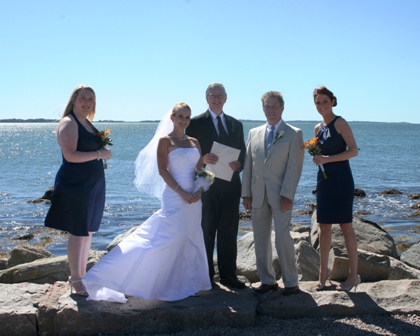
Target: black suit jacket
202 128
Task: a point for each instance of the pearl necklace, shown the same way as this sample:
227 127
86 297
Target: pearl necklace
175 136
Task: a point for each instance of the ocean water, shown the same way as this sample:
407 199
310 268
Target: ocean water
30 157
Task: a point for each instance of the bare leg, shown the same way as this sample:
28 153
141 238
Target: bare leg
77 258
351 246
74 255
324 251
85 253
77 254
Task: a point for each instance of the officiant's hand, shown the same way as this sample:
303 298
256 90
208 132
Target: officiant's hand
210 158
235 165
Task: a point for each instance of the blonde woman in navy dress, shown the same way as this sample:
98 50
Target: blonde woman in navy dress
78 200
335 193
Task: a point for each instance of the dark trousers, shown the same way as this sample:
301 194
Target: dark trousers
220 221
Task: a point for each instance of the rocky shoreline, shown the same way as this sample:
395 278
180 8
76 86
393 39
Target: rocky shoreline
382 308
36 299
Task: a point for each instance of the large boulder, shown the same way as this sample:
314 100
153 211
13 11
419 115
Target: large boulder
412 256
401 271
3 261
375 298
119 238
246 261
62 314
370 237
41 271
372 267
307 260
19 307
23 254
47 270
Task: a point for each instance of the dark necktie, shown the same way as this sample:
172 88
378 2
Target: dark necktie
222 132
269 139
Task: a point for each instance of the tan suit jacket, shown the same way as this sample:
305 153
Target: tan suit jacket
279 173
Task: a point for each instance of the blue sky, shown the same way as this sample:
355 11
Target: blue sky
142 57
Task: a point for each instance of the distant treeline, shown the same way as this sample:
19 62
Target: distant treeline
41 120
28 120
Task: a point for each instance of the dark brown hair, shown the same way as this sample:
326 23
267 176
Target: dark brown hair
323 90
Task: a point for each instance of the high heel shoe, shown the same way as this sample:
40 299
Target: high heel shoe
77 283
348 288
321 286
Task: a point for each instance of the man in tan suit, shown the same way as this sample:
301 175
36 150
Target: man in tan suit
273 165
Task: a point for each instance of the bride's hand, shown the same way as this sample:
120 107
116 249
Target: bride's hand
187 197
197 196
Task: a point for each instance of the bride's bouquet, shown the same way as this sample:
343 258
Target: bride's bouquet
203 179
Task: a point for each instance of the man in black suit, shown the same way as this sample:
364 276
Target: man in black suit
221 201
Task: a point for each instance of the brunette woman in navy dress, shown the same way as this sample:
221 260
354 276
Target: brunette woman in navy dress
78 200
335 193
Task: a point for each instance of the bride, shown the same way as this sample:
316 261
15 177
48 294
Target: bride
165 257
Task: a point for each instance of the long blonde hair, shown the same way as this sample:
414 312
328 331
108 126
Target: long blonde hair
73 97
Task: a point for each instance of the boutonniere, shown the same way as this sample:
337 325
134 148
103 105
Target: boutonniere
278 136
232 127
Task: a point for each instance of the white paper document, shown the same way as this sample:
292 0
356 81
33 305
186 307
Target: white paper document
226 155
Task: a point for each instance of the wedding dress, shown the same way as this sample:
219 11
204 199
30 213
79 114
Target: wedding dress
165 257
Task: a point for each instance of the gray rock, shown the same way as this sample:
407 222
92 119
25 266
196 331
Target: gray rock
31 309
18 308
22 254
412 256
379 298
246 261
119 238
307 260
71 315
39 271
400 271
371 266
370 237
47 270
3 263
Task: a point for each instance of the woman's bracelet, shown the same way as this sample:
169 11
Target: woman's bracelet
99 155
176 187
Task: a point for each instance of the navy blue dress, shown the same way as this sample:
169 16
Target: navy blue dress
334 195
78 200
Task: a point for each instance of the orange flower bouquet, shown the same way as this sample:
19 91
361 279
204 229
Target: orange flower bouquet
104 140
313 149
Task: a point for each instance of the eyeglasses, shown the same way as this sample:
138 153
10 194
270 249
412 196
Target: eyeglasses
213 96
271 107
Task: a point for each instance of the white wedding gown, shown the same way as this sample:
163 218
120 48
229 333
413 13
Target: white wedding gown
165 257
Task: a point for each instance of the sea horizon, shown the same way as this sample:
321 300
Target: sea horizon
48 121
